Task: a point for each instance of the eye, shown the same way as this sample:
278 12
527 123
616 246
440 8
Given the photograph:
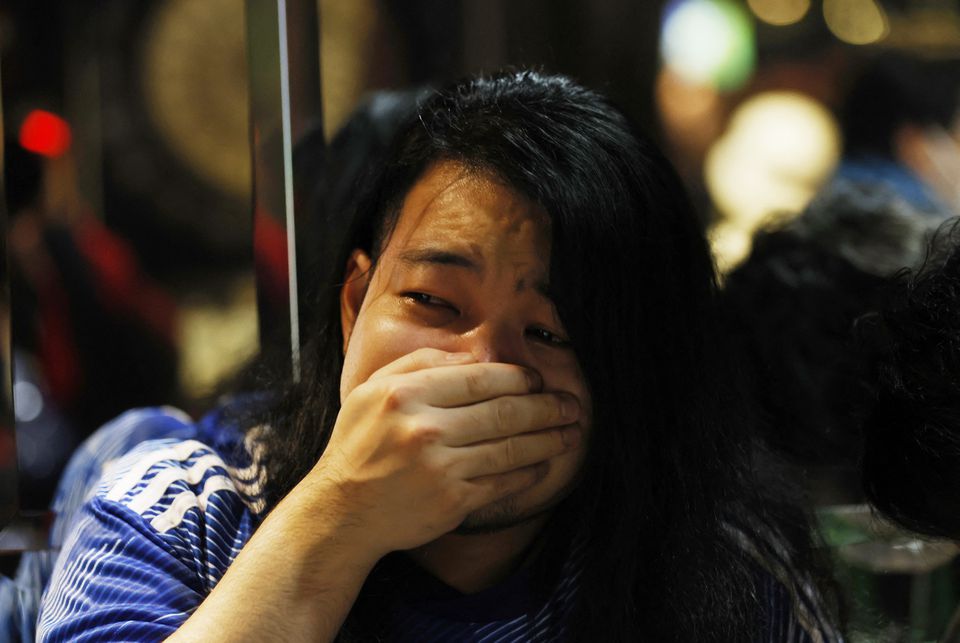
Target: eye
423 299
545 336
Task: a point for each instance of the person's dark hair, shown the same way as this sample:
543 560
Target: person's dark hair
790 310
667 468
892 90
911 464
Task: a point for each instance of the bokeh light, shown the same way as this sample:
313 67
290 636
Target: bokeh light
45 133
858 22
776 152
779 12
27 401
709 42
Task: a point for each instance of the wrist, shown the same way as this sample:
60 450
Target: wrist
319 520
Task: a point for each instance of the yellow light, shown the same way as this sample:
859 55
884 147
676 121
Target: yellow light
779 12
858 22
778 149
730 246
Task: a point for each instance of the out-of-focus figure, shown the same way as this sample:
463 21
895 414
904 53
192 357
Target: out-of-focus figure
911 464
901 125
791 308
92 334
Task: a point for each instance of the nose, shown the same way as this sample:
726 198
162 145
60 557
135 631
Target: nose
496 343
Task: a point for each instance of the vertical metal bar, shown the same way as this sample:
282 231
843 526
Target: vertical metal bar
283 58
285 117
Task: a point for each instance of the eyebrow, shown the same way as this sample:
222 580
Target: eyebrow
436 256
441 257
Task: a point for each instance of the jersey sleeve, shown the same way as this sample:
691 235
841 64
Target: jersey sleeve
145 551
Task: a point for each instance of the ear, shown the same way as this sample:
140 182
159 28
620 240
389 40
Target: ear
354 289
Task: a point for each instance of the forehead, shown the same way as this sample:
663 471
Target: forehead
469 209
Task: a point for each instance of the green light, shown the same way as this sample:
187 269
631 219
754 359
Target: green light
709 42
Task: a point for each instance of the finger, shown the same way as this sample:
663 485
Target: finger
465 384
508 415
420 359
514 452
498 486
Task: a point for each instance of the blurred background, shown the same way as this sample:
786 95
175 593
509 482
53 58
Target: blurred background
129 166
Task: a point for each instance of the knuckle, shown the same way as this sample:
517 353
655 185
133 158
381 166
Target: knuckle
476 384
506 412
416 436
394 395
512 452
492 461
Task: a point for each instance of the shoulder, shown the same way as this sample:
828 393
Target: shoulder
108 443
173 483
157 531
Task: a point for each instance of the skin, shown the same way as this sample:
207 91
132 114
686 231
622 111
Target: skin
463 421
493 309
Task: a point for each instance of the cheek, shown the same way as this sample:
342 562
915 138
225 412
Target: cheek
378 340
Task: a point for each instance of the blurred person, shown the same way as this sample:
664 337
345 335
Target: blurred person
791 308
901 128
93 335
514 422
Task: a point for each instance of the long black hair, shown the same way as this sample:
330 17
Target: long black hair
911 463
666 472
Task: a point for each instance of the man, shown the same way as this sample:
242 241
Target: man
512 425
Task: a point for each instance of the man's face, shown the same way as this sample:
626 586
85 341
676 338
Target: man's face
465 270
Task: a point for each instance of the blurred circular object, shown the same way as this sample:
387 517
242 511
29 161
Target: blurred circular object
779 12
27 401
777 150
194 73
709 42
45 133
161 191
857 22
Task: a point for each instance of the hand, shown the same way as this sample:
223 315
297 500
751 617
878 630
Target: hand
434 436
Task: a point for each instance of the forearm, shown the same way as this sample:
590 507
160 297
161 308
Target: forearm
296 580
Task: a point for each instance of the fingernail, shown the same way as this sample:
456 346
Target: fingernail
571 436
534 381
569 406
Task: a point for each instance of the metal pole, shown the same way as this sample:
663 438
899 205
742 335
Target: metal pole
283 46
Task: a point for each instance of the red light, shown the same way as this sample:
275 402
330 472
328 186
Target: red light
45 133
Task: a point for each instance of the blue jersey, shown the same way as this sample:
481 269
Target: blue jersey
162 526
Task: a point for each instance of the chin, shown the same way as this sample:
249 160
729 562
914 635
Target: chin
510 512
499 516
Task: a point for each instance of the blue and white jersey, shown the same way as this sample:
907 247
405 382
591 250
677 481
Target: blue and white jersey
160 529
163 525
